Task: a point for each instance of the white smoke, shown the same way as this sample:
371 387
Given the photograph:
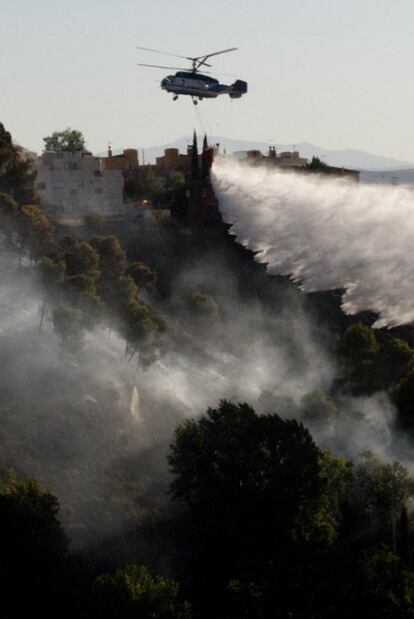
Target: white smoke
326 234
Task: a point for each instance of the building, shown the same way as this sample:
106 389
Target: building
78 183
173 160
286 159
127 160
291 160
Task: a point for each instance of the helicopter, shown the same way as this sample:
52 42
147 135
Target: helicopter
191 82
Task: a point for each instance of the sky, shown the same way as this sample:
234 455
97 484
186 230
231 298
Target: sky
336 73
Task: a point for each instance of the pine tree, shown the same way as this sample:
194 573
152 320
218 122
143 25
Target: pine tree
195 172
16 175
205 159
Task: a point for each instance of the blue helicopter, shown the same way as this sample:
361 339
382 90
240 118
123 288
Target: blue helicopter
191 82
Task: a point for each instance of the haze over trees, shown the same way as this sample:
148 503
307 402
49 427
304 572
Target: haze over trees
240 510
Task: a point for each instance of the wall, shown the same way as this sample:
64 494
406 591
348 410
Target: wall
75 184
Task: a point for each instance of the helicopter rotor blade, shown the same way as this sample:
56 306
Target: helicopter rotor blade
202 59
223 51
158 66
157 51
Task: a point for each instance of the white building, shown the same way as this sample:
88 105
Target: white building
78 183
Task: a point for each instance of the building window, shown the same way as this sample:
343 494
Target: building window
73 192
98 191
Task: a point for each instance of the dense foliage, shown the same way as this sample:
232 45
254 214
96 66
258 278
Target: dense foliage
265 524
68 140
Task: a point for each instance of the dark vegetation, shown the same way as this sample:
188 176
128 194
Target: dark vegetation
68 140
254 518
159 190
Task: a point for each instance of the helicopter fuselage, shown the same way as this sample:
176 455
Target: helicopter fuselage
201 86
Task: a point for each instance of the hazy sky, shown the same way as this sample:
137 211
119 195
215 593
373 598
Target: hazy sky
337 73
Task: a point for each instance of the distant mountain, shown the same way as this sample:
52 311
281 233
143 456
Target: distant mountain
348 158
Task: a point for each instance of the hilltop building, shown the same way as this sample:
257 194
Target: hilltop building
78 183
286 159
173 160
291 160
127 160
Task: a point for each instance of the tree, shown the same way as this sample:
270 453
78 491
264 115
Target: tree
396 359
91 307
36 233
174 181
17 176
8 217
203 306
51 275
205 159
80 293
34 549
404 399
134 592
358 350
358 343
68 140
67 322
137 327
338 477
112 256
317 164
234 450
144 277
386 489
195 170
389 588
147 186
250 490
318 410
81 257
119 293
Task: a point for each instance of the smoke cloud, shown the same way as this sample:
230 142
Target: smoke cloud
95 428
326 234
